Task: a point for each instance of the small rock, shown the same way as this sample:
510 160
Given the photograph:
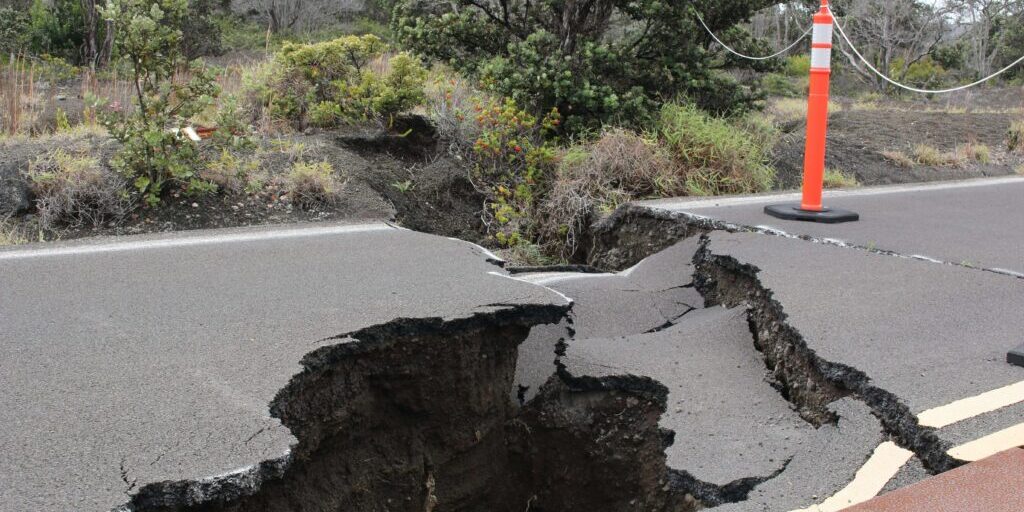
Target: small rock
195 205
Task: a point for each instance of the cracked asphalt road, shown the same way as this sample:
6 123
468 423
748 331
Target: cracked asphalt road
928 333
976 223
730 424
143 359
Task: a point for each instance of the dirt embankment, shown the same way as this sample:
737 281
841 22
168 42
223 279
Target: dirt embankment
398 178
857 139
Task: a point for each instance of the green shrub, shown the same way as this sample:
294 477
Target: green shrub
797 66
233 173
348 79
719 158
775 84
325 113
75 189
923 73
15 34
512 161
312 185
57 28
153 151
607 62
201 33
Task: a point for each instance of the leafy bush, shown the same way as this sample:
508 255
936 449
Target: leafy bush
775 84
154 152
512 161
57 28
233 173
348 79
201 34
719 158
75 189
923 73
312 185
797 66
14 31
606 62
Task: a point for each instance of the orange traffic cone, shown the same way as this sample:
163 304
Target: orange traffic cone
810 207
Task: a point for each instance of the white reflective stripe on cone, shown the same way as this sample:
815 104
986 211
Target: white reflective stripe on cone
821 58
822 33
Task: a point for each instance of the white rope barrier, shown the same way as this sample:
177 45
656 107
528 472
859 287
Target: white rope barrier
907 87
748 57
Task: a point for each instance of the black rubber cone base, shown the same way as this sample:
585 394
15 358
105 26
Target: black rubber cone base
826 216
1016 356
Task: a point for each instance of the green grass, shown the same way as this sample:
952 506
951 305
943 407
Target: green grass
720 158
835 178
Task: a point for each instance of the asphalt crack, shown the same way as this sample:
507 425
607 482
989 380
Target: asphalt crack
804 378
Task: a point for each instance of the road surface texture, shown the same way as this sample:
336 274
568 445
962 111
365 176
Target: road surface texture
801 368
125 363
970 223
910 312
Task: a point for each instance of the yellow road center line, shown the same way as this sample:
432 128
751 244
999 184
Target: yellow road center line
990 445
972 406
883 464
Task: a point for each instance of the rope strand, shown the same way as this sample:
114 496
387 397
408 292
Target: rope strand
907 87
748 57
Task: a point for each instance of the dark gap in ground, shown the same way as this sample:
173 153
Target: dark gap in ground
415 415
806 379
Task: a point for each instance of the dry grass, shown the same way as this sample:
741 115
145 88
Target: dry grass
792 110
835 178
312 185
1020 170
11 235
974 152
931 156
1015 139
450 101
899 158
74 188
598 177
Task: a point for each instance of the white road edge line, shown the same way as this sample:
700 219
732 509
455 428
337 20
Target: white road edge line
191 241
970 407
884 463
990 445
568 299
668 204
557 277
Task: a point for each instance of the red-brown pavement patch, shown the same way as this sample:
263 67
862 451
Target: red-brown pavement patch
994 484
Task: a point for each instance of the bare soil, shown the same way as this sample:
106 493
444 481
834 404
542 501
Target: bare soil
857 139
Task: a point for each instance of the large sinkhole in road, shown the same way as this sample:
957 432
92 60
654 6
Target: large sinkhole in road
417 415
432 415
